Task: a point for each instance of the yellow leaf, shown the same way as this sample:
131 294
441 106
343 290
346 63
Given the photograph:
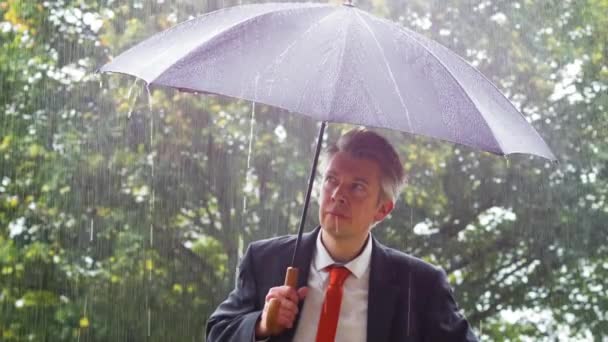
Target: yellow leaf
215 108
149 264
6 142
13 17
35 150
84 322
13 201
103 211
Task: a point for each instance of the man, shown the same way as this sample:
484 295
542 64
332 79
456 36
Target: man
351 287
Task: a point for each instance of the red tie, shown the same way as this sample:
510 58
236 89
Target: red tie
328 322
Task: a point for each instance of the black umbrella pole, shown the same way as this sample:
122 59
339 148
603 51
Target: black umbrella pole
311 180
291 276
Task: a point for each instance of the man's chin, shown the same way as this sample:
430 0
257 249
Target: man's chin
335 230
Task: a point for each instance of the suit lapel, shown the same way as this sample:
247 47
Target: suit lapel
304 257
381 296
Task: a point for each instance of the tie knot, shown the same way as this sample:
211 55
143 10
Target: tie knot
337 275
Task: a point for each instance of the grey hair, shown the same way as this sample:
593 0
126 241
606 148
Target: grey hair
366 144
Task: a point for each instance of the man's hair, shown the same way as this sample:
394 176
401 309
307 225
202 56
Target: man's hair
366 144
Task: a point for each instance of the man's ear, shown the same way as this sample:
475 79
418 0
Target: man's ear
384 209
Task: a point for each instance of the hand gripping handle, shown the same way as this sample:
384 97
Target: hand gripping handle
272 317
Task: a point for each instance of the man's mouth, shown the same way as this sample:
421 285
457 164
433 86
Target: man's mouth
336 214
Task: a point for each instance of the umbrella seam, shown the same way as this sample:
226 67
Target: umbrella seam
405 31
449 72
390 71
234 27
479 73
198 18
313 25
339 73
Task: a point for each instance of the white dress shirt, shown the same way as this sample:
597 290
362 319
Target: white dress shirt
352 324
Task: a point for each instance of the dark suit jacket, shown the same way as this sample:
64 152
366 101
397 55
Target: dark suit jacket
408 299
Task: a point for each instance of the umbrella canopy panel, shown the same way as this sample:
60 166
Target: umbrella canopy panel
335 64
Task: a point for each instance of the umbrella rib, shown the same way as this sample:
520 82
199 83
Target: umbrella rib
281 55
405 31
500 93
339 71
390 71
238 25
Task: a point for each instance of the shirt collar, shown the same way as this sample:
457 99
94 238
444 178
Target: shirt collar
357 266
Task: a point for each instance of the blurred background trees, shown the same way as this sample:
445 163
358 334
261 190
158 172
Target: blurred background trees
124 210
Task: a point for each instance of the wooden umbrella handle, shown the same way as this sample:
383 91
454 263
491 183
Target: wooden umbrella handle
272 317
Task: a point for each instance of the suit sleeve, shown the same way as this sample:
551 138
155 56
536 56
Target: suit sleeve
444 321
236 317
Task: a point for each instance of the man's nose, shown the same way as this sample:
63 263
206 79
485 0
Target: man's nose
338 194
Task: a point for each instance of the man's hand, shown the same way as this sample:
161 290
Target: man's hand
289 299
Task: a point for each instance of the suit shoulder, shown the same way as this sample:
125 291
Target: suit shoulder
415 264
278 241
272 245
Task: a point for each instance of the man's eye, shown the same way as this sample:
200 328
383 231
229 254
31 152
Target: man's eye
359 187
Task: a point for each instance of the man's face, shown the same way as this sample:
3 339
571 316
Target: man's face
350 197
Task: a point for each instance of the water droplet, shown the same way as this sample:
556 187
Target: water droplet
91 231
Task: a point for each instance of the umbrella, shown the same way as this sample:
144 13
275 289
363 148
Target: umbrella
334 64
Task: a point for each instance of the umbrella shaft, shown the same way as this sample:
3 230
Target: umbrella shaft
309 191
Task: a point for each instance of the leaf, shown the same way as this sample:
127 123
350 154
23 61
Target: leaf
84 322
